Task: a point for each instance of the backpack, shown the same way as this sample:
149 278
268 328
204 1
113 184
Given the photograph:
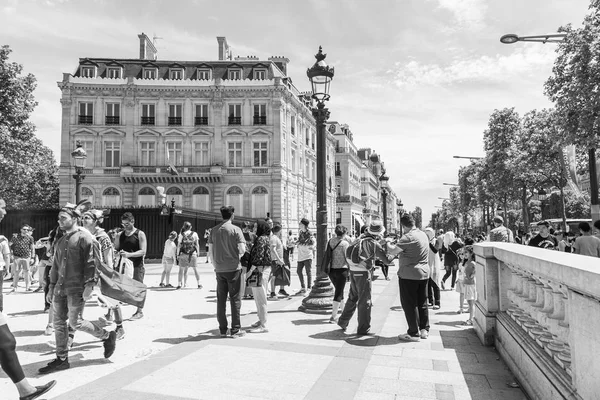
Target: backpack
355 255
187 244
260 255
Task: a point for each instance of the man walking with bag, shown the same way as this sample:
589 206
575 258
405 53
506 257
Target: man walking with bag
226 244
72 280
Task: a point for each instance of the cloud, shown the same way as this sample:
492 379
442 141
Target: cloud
468 14
494 69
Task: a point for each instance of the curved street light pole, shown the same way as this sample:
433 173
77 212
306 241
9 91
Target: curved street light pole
557 38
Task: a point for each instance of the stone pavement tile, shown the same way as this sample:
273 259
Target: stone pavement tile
450 342
440 365
332 390
467 358
498 369
488 358
437 346
477 394
346 370
396 351
476 381
444 395
355 352
500 382
361 395
379 371
448 378
407 362
400 387
430 354
441 387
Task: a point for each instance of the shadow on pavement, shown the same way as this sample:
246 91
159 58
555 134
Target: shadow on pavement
396 308
460 323
199 316
25 313
27 333
212 334
43 348
310 321
372 340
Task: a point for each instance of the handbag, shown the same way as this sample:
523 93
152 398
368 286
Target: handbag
125 266
282 275
327 257
255 279
122 288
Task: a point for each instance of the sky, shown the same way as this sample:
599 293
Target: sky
415 80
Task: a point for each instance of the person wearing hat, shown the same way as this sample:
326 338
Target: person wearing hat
22 247
72 280
544 239
9 360
413 275
306 253
501 233
359 296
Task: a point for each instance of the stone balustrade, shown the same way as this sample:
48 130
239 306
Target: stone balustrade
541 309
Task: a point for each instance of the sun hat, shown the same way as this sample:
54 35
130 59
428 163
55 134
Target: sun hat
376 227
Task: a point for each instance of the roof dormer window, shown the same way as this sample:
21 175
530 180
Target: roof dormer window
260 74
234 74
88 72
113 72
149 73
176 73
204 74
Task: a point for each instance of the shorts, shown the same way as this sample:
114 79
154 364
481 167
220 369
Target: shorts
186 260
470 292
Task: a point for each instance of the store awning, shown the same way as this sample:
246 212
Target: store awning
359 219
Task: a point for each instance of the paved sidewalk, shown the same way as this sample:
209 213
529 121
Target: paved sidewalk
175 352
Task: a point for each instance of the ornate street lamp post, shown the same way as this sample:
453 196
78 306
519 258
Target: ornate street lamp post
383 180
79 156
542 196
320 76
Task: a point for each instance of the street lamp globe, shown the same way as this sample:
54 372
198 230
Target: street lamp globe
320 75
542 195
509 38
79 156
383 179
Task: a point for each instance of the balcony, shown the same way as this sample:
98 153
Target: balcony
86 120
162 174
112 120
201 121
536 306
338 172
348 199
148 121
235 120
260 120
174 121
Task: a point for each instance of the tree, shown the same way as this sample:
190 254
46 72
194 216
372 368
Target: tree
27 167
417 214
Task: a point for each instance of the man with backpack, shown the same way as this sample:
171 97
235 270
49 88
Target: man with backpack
187 251
500 233
361 256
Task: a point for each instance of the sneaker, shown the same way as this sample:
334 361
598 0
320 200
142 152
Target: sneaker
302 291
49 330
407 338
468 322
443 286
332 320
199 286
46 308
136 316
459 311
272 296
238 334
224 334
387 278
56 365
120 332
161 284
256 324
110 344
178 287
424 334
39 390
260 329
39 289
343 327
436 307
283 293
168 285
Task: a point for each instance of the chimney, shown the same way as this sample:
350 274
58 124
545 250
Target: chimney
147 49
281 63
224 53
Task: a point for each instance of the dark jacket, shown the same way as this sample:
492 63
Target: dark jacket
74 262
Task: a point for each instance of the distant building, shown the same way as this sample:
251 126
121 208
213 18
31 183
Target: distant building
235 131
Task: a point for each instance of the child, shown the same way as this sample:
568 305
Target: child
469 292
168 259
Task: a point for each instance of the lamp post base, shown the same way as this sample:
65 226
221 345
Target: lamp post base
320 299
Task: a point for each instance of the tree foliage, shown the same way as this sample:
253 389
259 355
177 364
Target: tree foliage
27 167
417 214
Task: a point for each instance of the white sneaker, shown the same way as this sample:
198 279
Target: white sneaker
407 338
424 334
49 330
260 329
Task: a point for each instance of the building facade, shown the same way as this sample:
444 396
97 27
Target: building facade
211 133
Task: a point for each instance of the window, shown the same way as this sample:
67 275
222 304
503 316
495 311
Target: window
201 153
313 139
235 197
307 137
174 193
86 113
111 197
260 154
234 74
88 72
260 114
147 153
113 154
293 126
201 199
314 174
260 202
88 146
260 74
293 156
234 154
174 153
148 114
146 197
203 74
284 155
175 73
235 114
175 111
338 169
307 169
201 117
113 112
114 72
86 193
149 73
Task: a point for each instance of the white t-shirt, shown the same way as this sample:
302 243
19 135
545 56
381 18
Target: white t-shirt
170 249
587 246
4 250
